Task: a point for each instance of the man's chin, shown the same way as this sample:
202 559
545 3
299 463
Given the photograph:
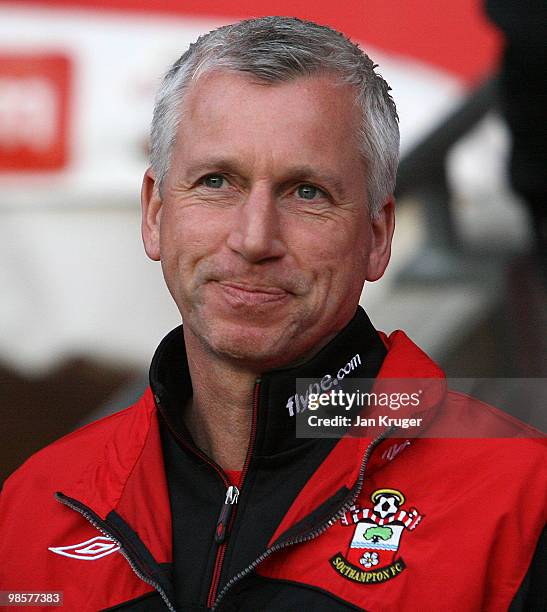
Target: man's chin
254 347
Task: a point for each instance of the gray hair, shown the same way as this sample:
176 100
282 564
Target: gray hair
279 49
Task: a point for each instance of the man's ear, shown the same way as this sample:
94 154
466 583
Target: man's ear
382 226
151 215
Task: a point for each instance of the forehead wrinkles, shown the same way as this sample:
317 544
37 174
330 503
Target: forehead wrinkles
269 128
207 100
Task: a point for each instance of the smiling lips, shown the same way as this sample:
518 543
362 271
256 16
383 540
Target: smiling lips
251 295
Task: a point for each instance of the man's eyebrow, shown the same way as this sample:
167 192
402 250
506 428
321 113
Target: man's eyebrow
211 164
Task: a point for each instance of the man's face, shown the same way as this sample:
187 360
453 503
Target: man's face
263 229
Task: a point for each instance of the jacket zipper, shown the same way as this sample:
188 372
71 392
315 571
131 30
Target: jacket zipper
228 514
99 525
221 530
350 501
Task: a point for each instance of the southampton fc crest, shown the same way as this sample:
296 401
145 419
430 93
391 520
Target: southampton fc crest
372 554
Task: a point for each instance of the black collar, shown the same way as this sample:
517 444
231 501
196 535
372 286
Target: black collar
170 381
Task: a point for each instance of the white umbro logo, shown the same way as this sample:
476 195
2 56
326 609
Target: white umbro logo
90 550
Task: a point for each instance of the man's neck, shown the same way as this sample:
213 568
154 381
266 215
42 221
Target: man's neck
220 412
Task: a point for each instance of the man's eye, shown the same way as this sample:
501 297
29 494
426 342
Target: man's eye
309 192
215 181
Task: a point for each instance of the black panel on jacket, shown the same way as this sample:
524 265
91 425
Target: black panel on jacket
532 594
255 593
267 595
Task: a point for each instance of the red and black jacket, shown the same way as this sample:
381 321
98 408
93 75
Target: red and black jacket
128 514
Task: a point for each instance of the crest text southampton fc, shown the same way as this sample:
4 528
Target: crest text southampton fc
372 554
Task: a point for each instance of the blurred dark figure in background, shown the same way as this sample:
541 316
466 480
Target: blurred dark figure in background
523 89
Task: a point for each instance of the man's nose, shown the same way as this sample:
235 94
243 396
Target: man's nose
257 233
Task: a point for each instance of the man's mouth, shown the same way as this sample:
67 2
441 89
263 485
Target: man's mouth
238 293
